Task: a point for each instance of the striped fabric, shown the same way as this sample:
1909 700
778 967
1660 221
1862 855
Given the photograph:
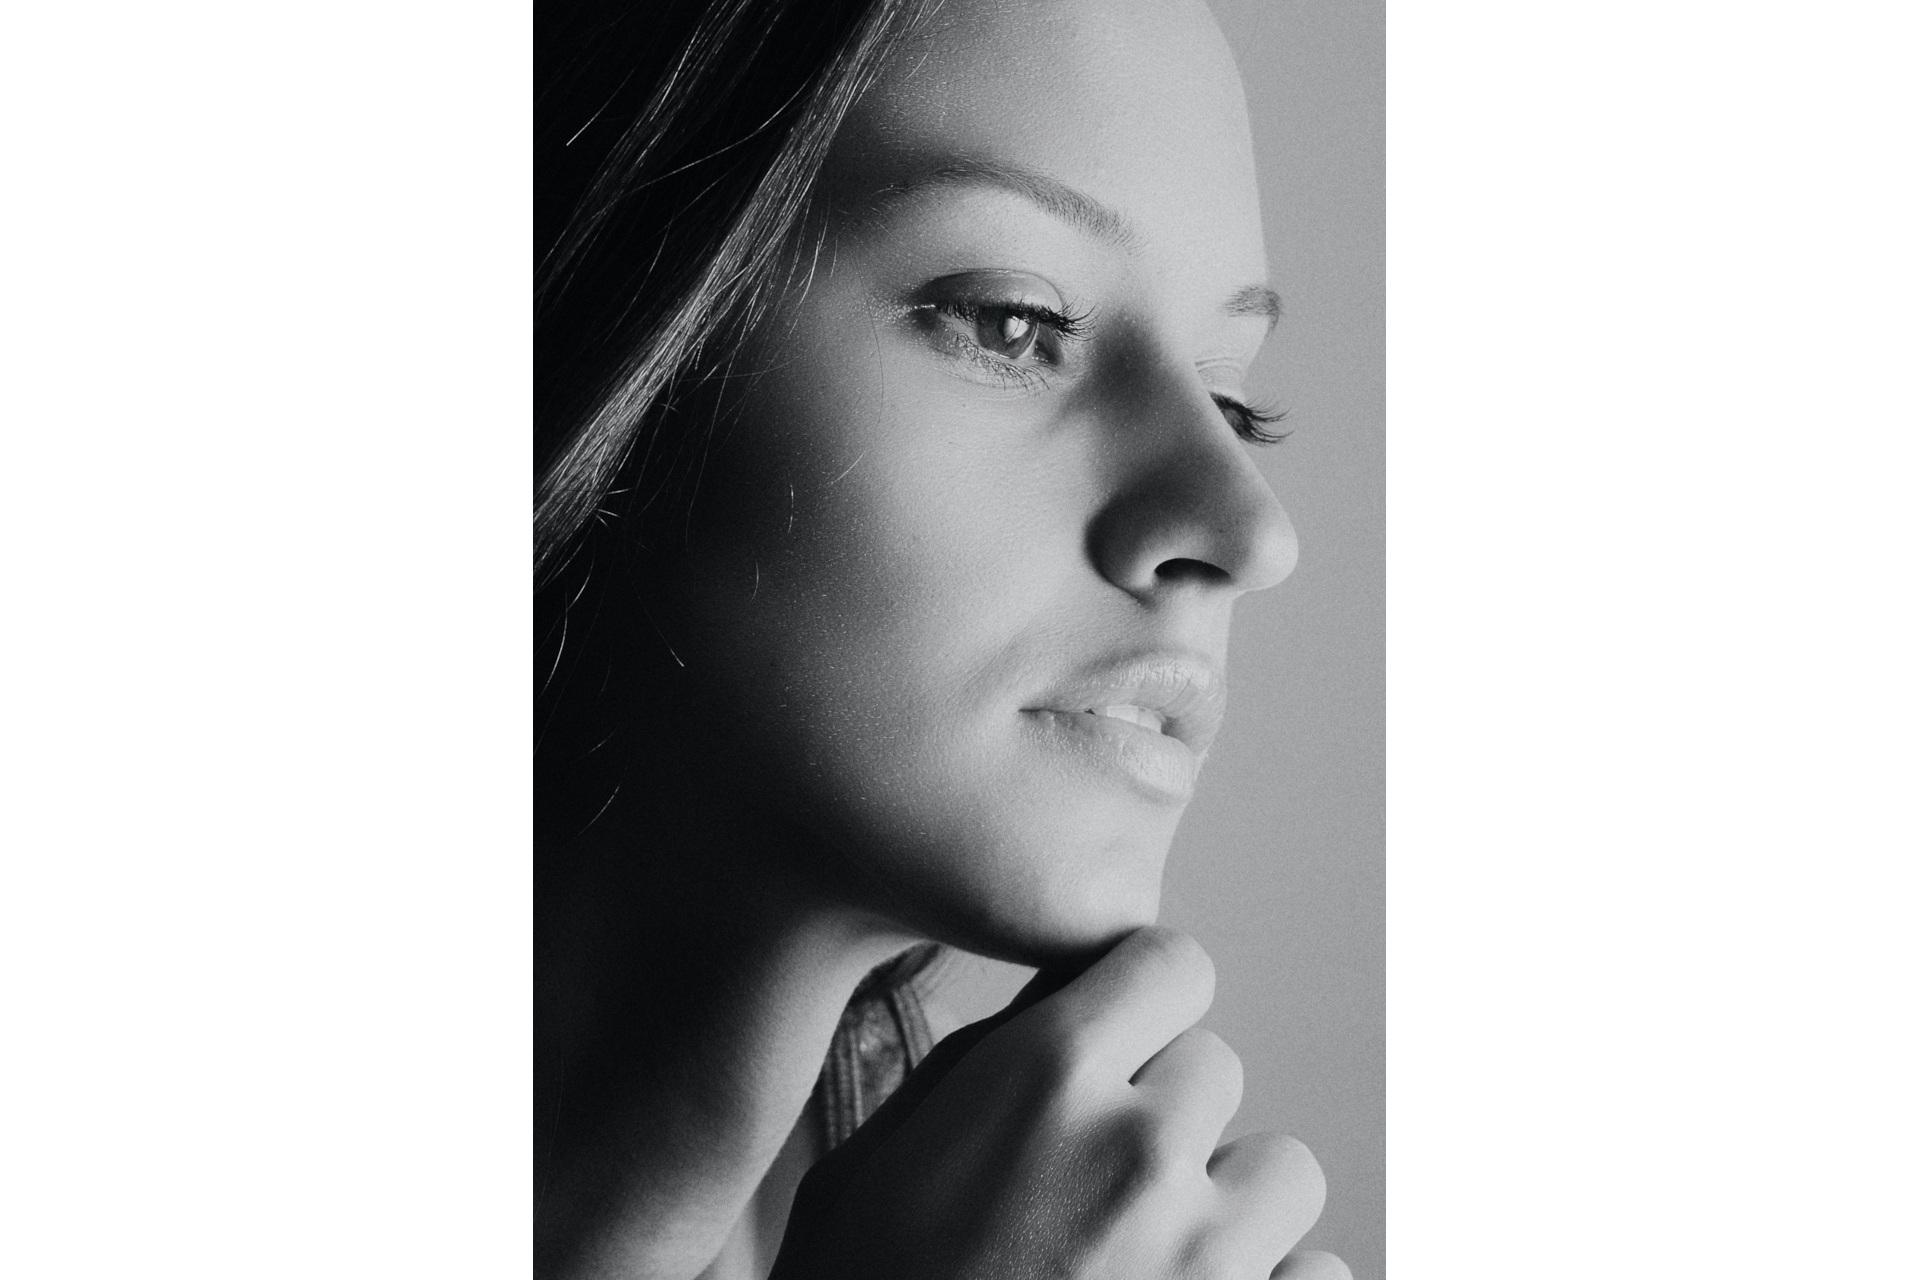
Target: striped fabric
881 1037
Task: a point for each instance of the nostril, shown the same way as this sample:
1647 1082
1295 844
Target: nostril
1182 569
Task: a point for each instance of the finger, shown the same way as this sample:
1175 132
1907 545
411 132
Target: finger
1311 1264
1043 984
1273 1187
1194 1085
1130 1003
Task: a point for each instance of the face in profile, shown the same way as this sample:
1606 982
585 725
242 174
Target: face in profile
958 579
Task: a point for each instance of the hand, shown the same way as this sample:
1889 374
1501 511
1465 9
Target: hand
1074 1134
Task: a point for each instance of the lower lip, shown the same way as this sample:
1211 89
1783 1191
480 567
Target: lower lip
1159 766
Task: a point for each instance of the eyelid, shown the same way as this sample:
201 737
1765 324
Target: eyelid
1020 293
991 287
1065 324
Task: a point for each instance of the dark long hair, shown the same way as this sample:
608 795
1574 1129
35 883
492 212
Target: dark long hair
677 145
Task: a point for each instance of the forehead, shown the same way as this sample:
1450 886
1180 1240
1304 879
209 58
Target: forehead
1135 103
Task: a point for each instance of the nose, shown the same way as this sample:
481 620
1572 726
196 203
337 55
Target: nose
1189 508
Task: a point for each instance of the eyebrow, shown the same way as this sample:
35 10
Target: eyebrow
1075 208
1255 300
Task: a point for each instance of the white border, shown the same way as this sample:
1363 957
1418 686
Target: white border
264 912
1652 640
263 918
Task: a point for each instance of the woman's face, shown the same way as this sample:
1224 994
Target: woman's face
957 582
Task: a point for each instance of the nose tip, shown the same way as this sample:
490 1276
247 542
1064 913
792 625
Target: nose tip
1274 547
1209 521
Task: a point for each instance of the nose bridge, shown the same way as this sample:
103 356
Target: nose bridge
1187 504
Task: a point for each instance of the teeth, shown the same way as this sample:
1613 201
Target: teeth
1133 715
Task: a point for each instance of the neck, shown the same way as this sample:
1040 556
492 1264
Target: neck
692 970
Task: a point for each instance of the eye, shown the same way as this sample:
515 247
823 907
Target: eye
1006 327
1006 332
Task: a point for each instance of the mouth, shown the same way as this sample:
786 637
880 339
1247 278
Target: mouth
1173 695
1152 719
1146 717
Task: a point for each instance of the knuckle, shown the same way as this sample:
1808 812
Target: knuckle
1140 1148
1058 1053
1205 1255
1179 958
1312 1264
1288 1171
1206 1066
1302 1172
1220 1059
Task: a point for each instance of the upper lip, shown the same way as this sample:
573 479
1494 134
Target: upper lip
1185 689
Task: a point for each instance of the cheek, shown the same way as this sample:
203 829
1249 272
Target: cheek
869 593
884 544
869 587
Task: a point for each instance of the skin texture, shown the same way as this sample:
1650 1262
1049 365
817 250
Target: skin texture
917 546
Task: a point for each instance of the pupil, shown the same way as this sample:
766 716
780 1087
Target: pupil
1009 332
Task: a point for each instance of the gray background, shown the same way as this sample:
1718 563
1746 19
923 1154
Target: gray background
1278 866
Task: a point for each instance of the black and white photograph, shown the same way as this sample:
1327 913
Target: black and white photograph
905 453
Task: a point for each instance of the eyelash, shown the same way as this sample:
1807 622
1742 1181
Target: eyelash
1249 422
1065 325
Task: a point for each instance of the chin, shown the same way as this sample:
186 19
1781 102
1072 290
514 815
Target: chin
1051 890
